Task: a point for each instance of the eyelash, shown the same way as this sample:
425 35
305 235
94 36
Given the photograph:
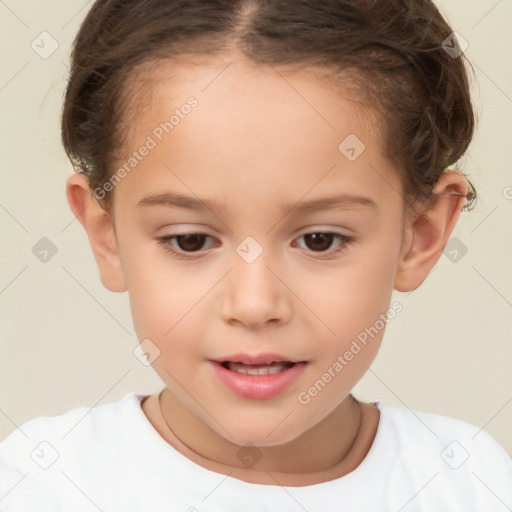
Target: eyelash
346 241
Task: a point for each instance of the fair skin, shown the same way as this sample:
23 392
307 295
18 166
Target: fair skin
252 146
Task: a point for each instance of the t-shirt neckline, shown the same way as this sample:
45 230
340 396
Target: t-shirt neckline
170 456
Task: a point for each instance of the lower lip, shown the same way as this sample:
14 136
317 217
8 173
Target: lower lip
258 387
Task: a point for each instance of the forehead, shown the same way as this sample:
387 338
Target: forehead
232 92
255 126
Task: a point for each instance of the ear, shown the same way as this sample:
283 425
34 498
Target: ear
426 235
99 226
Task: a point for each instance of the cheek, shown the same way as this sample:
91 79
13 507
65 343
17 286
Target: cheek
165 308
353 295
161 293
160 301
352 301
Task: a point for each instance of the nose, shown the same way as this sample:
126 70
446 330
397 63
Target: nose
254 295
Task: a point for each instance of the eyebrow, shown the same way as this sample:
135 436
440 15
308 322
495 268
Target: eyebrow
341 201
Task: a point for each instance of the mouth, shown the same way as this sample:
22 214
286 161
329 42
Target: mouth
258 369
257 377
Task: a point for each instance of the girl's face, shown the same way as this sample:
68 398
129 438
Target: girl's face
262 161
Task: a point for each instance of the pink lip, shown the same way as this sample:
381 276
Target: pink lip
257 387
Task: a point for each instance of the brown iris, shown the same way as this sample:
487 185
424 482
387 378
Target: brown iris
192 242
320 241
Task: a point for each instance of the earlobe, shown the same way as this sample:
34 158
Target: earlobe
426 235
99 226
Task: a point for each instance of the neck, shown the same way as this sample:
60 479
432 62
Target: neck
329 444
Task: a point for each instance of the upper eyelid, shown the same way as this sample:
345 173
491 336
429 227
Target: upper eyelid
299 232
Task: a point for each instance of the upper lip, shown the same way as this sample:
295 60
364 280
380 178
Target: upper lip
265 358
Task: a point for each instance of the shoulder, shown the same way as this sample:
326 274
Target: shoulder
68 428
453 453
455 441
35 457
430 429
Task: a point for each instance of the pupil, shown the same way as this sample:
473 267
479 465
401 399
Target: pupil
192 242
322 240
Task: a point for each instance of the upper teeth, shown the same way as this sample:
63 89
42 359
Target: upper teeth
257 369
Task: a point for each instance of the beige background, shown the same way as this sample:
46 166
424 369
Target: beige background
67 342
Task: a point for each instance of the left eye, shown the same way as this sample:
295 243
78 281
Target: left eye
321 242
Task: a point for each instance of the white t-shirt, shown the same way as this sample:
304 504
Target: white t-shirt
111 459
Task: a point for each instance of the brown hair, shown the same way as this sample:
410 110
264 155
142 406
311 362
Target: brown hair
389 53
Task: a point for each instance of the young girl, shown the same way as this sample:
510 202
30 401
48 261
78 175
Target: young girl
260 175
